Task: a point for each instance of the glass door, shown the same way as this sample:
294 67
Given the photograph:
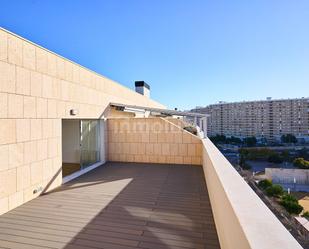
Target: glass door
89 142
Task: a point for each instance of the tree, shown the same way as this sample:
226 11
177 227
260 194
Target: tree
264 184
218 139
275 158
274 190
288 138
234 140
290 203
301 163
250 141
303 153
285 155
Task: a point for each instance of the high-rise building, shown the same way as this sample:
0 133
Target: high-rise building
268 118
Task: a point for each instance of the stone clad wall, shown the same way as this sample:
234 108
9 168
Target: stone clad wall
37 89
241 217
152 140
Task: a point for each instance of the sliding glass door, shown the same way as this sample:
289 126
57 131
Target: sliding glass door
89 142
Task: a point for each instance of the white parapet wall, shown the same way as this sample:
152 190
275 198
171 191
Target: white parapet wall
242 219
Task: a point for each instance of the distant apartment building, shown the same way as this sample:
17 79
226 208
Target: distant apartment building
268 118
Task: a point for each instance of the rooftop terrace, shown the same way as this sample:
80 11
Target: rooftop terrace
119 205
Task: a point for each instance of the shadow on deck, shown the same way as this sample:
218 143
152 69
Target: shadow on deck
118 206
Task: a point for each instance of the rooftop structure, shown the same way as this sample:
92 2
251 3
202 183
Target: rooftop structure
79 171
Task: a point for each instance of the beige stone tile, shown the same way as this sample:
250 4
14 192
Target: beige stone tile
141 149
36 129
149 149
157 149
195 140
57 165
36 172
187 160
47 128
162 137
134 148
162 159
183 149
42 148
4 157
178 137
52 108
28 193
16 199
57 128
22 130
75 74
30 152
7 131
191 150
15 50
29 107
68 71
36 80
16 155
41 108
186 138
166 149
61 109
196 160
174 149
56 88
47 86
41 60
138 158
48 171
52 147
7 77
153 138
4 205
60 68
52 64
3 105
16 106
145 137
28 55
178 159
3 46
23 177
170 159
199 149
8 182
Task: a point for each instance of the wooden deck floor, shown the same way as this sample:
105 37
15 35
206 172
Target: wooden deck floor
117 206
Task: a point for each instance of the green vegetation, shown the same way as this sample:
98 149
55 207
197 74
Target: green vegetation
274 190
263 184
250 141
256 154
288 138
303 153
243 164
290 203
225 140
305 215
275 158
301 163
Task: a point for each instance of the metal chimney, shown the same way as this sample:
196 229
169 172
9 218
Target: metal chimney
143 88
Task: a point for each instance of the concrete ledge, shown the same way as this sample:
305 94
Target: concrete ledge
242 219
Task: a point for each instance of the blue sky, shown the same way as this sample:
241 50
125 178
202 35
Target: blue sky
190 52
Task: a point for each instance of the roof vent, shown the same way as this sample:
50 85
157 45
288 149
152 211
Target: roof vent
143 88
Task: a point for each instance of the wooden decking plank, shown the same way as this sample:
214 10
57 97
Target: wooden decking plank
118 206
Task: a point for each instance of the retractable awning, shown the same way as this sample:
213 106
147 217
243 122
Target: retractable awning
158 110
